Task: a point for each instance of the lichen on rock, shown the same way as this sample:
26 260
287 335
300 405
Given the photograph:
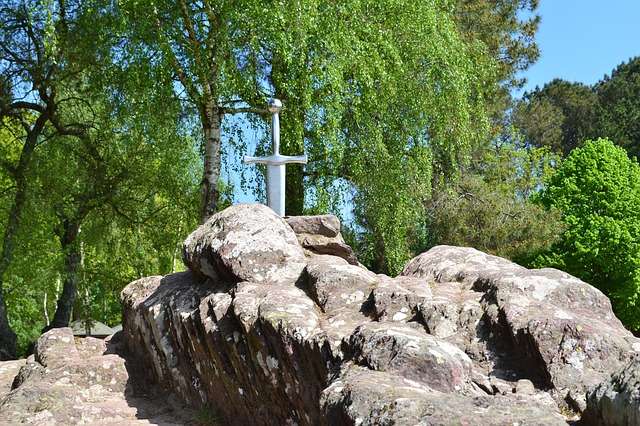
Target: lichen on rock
245 242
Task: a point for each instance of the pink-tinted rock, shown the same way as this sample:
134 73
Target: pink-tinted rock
8 372
326 225
461 338
74 381
321 235
543 325
410 353
245 242
364 397
616 401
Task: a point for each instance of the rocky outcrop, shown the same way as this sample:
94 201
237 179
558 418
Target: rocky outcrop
81 381
542 324
268 336
361 396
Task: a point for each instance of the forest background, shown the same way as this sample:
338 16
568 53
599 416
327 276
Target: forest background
122 124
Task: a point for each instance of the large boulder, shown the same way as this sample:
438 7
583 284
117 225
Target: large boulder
541 324
245 242
461 337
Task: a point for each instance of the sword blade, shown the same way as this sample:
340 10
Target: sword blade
275 188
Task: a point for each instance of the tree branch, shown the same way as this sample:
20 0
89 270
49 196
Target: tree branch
244 110
192 92
26 105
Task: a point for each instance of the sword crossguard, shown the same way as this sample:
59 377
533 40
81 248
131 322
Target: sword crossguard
276 159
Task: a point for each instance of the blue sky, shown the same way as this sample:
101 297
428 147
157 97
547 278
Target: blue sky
582 40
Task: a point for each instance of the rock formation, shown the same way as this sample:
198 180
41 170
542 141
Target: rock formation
271 326
321 235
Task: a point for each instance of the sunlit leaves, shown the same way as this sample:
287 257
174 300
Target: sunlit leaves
597 189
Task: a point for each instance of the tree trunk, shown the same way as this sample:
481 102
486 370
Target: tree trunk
46 312
72 262
211 123
7 336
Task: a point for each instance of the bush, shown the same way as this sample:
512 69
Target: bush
597 189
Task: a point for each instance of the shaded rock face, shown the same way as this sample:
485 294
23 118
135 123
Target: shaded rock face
461 337
79 381
616 401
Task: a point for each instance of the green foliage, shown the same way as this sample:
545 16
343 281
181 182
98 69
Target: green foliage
385 97
489 208
597 189
388 204
560 116
378 136
507 28
124 169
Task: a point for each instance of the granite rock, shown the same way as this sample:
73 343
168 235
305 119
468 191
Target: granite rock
616 401
543 325
83 381
321 235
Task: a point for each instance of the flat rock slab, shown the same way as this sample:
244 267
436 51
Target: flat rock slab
326 225
73 381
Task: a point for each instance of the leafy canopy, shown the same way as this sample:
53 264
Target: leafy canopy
619 105
562 115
